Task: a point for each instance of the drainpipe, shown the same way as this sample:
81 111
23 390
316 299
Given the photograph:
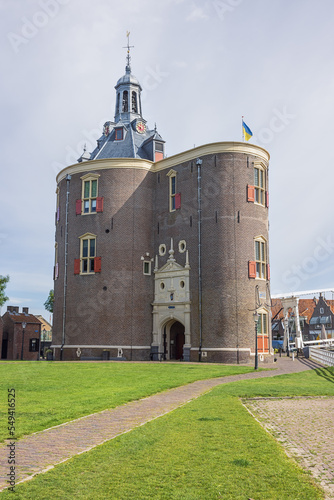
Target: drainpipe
68 179
199 209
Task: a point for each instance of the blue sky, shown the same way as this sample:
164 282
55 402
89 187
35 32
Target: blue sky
202 64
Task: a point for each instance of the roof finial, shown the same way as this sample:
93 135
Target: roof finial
128 58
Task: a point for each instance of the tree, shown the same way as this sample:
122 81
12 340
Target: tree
48 304
3 283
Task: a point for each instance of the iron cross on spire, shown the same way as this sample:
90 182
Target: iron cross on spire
128 58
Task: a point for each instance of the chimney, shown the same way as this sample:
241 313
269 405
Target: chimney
25 310
10 309
16 309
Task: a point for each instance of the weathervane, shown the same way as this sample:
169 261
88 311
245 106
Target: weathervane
128 58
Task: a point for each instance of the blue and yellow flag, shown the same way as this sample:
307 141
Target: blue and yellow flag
247 131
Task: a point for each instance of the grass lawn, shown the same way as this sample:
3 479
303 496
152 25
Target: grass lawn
210 448
50 393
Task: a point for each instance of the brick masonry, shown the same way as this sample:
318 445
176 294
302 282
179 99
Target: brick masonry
113 308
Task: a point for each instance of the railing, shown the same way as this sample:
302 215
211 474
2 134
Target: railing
324 356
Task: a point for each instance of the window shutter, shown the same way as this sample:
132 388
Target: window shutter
250 193
78 207
56 271
99 204
177 201
268 272
58 214
158 156
77 265
267 199
251 269
97 265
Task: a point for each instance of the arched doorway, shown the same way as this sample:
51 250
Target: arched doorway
176 340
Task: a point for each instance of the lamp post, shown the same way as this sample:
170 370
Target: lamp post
256 321
24 324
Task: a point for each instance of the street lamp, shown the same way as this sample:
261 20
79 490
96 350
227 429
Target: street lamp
24 324
256 321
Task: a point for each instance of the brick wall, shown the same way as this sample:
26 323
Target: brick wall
113 307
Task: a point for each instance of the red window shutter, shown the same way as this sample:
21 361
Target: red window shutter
78 207
260 343
268 272
99 204
158 156
177 201
77 265
97 264
250 193
251 269
267 199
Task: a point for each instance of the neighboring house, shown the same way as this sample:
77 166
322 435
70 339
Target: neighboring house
322 315
21 334
312 314
46 334
161 256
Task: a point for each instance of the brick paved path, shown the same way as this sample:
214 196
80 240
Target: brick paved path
304 427
41 451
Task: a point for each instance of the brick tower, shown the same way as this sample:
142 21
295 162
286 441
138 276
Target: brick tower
161 257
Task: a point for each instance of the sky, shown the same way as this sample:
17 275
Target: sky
202 65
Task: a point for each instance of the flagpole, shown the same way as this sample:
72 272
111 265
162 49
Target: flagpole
242 130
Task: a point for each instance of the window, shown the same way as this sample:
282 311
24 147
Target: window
259 186
33 345
58 206
260 258
125 102
90 203
147 268
174 197
162 249
119 134
56 267
87 254
88 262
321 310
134 102
262 332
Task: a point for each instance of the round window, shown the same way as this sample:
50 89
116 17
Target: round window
182 284
162 285
162 249
182 246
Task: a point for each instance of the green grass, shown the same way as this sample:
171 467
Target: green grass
49 393
210 448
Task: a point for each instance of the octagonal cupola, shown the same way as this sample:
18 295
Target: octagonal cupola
128 98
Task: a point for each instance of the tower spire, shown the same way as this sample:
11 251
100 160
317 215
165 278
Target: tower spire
128 57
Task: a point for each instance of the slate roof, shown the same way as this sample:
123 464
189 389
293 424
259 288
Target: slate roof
132 145
22 317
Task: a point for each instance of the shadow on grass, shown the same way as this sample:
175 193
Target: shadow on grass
322 371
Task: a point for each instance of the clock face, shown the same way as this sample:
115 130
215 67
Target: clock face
141 127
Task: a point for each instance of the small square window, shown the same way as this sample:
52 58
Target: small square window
147 268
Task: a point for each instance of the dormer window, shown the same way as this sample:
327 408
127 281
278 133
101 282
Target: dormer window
119 134
158 151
